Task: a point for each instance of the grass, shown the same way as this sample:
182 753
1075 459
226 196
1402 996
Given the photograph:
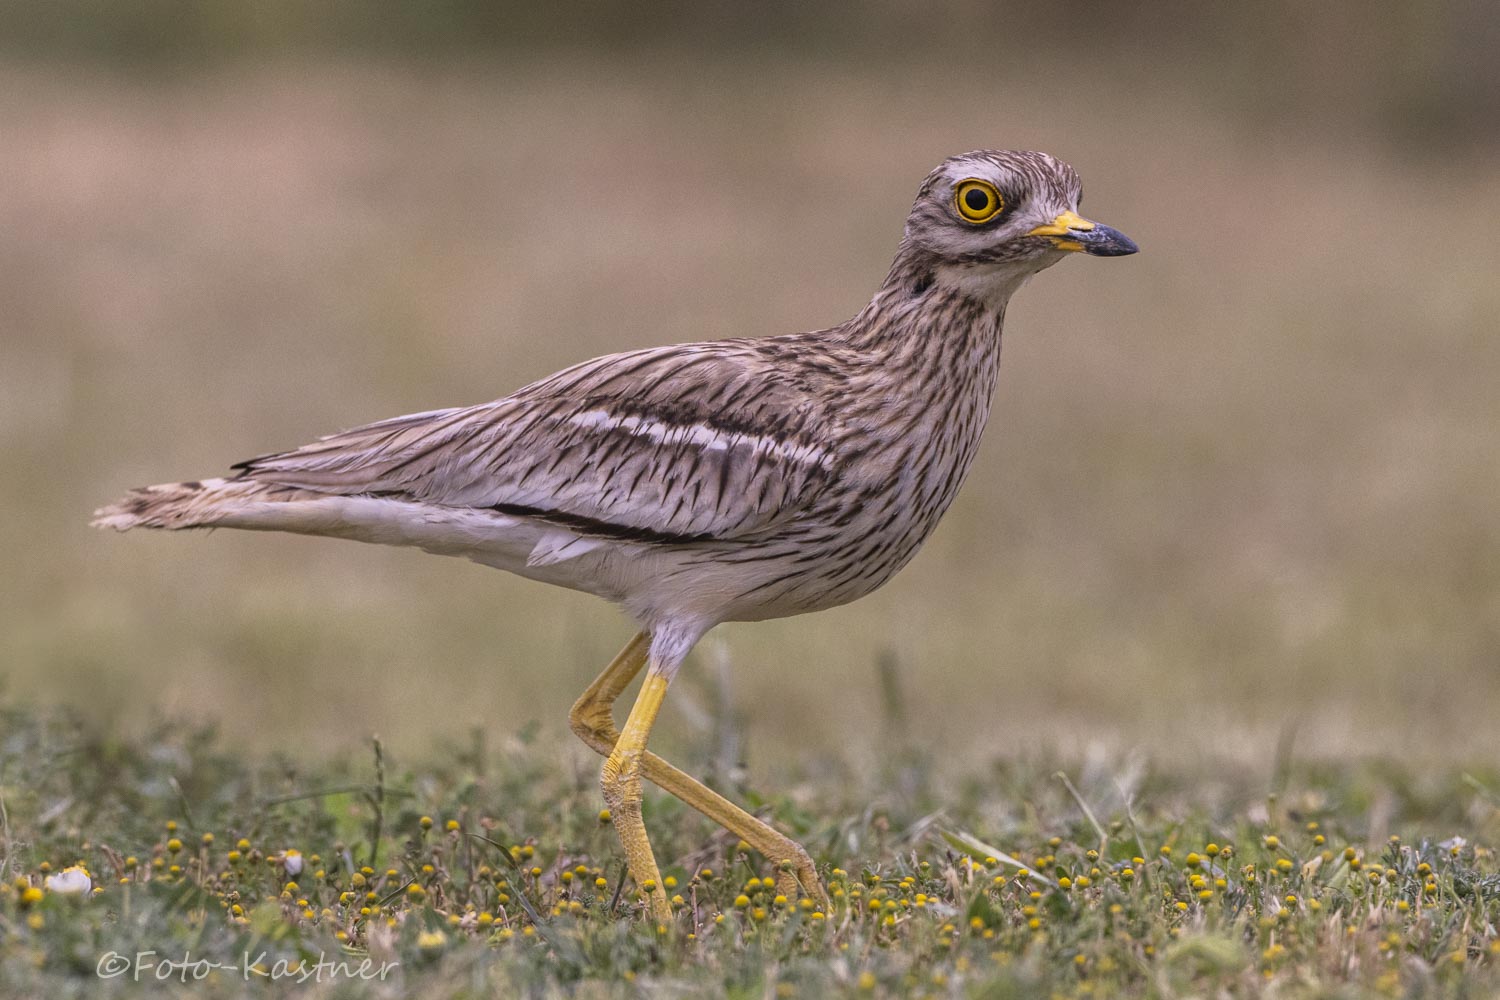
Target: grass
473 870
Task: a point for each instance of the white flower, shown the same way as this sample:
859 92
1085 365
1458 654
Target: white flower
291 860
71 881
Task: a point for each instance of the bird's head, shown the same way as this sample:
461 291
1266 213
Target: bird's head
991 218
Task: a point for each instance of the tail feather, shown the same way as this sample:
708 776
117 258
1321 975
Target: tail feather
486 536
192 504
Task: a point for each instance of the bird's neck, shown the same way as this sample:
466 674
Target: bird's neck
922 362
927 313
927 352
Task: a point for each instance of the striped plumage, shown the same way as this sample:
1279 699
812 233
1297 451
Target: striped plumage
707 482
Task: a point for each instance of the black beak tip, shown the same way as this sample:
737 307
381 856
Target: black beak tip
1106 241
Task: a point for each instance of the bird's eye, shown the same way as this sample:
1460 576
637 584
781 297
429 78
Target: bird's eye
977 201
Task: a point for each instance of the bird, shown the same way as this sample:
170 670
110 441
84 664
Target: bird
700 483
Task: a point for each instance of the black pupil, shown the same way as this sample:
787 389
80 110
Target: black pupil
977 199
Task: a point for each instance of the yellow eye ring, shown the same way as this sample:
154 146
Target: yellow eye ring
977 201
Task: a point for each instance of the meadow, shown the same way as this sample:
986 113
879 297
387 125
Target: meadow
173 862
1227 558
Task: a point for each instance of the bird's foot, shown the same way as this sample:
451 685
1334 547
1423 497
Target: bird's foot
797 875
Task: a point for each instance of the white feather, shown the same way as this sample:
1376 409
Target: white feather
560 546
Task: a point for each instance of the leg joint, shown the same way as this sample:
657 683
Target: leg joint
620 778
591 720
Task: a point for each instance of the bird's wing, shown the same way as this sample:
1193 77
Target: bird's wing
686 443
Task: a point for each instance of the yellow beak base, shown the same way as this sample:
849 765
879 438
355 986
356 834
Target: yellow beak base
1060 226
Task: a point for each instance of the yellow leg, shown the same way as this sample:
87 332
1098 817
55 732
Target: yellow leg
592 719
621 779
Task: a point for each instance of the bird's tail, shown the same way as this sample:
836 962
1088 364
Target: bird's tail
193 504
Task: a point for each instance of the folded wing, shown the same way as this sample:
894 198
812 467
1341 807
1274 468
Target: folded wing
681 444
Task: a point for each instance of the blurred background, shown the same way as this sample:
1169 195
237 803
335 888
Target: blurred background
1238 489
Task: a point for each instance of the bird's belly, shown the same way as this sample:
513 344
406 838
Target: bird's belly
824 569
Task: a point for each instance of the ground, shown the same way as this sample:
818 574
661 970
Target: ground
479 870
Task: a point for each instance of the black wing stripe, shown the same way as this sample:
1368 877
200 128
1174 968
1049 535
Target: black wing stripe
605 529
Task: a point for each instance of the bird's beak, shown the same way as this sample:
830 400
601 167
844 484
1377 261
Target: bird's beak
1071 231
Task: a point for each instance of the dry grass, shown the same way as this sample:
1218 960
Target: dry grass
1242 482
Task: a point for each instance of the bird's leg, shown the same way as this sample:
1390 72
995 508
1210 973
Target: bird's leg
621 779
794 867
592 719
